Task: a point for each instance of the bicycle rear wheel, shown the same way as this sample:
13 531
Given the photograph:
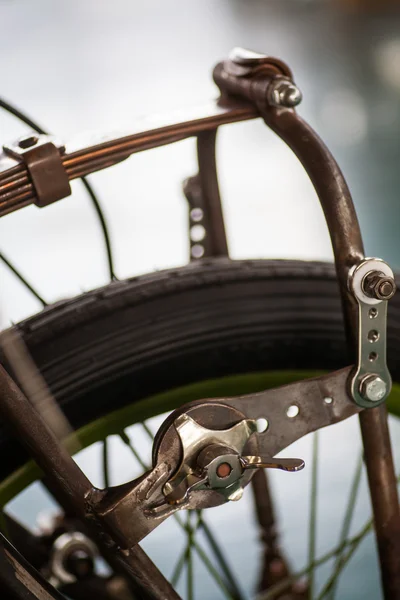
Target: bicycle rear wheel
138 348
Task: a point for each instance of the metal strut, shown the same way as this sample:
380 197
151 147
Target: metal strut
254 77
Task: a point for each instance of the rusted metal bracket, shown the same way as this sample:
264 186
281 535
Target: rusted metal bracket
41 155
131 511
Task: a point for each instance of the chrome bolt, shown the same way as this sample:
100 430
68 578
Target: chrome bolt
386 289
28 141
373 388
283 92
379 286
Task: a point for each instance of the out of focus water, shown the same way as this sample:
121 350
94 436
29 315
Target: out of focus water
100 65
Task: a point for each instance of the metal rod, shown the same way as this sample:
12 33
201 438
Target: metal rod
106 236
275 568
384 496
73 487
210 193
22 279
43 446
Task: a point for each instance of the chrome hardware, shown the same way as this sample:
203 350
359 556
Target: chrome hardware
212 460
370 282
283 92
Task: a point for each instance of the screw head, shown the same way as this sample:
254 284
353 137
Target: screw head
386 289
377 285
285 93
224 470
373 388
28 141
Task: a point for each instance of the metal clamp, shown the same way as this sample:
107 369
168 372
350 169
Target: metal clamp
212 460
372 284
195 440
42 157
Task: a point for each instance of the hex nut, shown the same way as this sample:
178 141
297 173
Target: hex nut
284 92
379 286
373 388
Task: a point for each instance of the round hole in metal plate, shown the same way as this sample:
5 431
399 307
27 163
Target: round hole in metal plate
196 214
197 233
262 425
197 251
292 411
373 336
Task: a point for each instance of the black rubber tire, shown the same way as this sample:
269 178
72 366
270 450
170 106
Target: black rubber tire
131 339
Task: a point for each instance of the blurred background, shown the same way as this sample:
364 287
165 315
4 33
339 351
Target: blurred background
93 64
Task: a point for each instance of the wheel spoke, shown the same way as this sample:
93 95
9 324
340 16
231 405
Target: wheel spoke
106 464
176 573
189 557
344 560
103 224
127 440
230 587
351 544
186 551
313 512
219 555
348 515
22 279
147 430
208 564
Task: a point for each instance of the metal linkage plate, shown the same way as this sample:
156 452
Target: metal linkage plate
371 383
